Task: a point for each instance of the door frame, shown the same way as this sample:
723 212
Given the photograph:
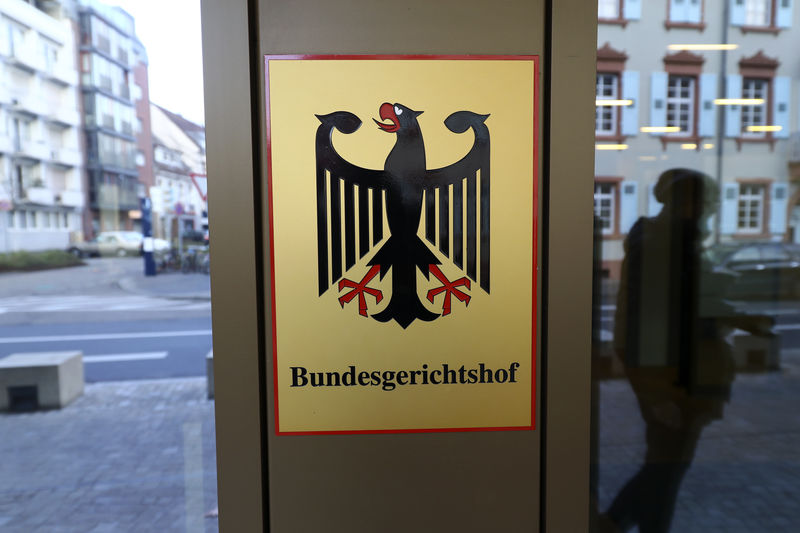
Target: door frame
233 65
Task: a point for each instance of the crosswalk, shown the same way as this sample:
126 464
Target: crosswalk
100 303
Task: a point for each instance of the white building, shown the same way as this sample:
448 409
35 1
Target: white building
179 168
41 160
674 67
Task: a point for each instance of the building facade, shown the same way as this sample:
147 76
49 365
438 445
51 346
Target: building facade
178 194
108 57
712 85
41 160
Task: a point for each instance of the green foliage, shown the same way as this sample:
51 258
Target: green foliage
27 261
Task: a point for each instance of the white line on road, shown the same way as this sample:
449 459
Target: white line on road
113 358
107 336
784 327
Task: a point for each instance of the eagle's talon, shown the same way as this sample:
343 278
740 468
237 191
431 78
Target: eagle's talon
448 288
359 288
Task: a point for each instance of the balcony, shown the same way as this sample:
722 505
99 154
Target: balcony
28 102
66 157
70 198
64 116
24 58
39 195
62 75
38 150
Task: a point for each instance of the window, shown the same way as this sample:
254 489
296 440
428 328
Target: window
758 12
604 206
608 9
751 208
754 115
680 104
685 12
606 116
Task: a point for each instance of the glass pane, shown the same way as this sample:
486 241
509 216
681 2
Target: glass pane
696 355
106 415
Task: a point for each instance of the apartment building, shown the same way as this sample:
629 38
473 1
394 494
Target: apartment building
712 85
41 161
109 55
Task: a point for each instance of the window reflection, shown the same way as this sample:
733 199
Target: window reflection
697 296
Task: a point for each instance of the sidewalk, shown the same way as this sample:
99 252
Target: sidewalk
172 285
125 457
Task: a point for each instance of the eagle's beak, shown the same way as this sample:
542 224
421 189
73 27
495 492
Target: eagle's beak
387 113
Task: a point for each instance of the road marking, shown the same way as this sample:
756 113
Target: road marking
107 336
113 358
784 327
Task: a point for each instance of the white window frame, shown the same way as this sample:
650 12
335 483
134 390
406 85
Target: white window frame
607 221
758 13
603 111
677 100
750 208
609 9
755 115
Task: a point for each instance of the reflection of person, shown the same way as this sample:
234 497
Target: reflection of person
669 329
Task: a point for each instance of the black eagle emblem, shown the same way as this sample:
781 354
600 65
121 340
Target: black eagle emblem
399 191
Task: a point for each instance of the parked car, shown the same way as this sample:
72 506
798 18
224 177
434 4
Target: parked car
768 270
109 243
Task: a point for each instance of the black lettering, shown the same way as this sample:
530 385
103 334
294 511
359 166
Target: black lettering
473 375
424 374
414 376
486 374
433 374
363 378
512 370
317 379
351 373
376 378
388 376
501 376
461 377
449 375
331 378
299 378
402 377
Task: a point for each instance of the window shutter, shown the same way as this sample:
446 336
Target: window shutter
694 11
777 208
628 209
630 113
729 208
783 16
678 11
632 9
653 205
658 100
780 106
737 12
708 115
733 113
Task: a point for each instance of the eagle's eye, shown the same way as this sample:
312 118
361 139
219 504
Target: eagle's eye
398 111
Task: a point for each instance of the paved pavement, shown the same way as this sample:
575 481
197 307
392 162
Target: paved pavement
125 457
745 476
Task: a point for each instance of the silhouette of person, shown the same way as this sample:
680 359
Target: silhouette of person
670 328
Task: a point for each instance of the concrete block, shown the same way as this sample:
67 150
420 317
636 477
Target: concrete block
210 373
53 379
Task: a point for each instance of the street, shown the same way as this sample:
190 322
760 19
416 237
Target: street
127 326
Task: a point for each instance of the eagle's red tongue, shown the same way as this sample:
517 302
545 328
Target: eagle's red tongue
387 113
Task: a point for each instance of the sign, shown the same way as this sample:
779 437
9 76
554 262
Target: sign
403 201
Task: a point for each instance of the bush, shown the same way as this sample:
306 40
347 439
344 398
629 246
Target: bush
27 261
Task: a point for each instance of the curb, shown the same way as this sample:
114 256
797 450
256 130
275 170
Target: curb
128 284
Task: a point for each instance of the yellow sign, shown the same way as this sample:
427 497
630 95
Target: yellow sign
403 224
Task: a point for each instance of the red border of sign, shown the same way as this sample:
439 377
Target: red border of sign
535 60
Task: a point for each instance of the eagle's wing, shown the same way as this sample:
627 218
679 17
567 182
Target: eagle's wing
464 177
337 178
